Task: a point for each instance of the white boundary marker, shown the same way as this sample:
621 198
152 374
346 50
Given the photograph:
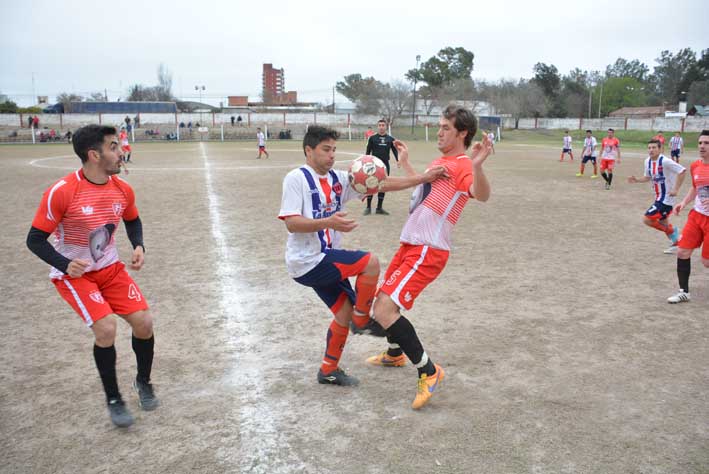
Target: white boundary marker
263 447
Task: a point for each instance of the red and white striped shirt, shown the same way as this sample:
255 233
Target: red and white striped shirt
436 207
84 217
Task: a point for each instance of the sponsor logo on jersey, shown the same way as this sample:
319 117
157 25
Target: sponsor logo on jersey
87 210
117 206
408 297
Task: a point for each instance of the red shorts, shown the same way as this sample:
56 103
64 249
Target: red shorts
410 271
126 148
607 164
95 295
696 233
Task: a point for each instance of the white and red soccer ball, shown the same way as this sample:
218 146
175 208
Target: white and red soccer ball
366 174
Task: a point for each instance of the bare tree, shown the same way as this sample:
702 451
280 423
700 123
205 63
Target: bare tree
395 99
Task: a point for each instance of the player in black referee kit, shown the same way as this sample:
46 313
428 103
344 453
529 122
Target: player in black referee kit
379 145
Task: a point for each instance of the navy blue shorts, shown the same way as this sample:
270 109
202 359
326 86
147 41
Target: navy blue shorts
658 211
566 150
588 158
329 278
674 153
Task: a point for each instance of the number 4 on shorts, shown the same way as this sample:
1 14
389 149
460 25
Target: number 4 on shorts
133 293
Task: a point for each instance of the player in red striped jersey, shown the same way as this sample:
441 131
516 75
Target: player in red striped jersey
695 233
426 241
83 211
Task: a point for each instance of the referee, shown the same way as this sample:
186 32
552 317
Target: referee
379 145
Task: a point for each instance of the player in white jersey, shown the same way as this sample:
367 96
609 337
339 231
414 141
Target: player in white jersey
589 154
83 210
676 146
667 178
261 143
313 212
426 242
491 139
567 147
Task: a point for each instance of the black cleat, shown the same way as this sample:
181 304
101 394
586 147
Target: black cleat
337 377
146 396
367 211
381 212
372 328
120 416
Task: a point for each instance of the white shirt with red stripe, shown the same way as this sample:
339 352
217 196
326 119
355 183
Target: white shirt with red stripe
676 143
84 218
303 250
436 207
567 142
700 180
663 177
589 146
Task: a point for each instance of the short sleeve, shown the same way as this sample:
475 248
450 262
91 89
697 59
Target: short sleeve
131 212
674 166
52 207
464 175
292 199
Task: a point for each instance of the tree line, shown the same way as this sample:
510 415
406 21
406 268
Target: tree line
447 76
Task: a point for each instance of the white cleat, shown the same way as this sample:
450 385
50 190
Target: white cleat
680 297
670 250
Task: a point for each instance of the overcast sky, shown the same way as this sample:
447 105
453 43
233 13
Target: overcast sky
84 46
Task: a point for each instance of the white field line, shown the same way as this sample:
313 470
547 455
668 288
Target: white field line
263 448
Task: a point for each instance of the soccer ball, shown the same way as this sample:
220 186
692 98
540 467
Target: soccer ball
366 174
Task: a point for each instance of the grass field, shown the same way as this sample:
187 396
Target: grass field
550 318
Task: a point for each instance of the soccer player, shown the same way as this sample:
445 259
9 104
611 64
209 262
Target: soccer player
83 210
610 155
368 133
125 144
379 145
491 138
313 212
589 154
696 230
676 146
567 147
261 143
426 242
661 138
667 177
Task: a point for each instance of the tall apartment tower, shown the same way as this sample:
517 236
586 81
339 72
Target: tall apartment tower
273 83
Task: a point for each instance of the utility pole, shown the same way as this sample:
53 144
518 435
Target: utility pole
600 101
34 92
413 108
333 99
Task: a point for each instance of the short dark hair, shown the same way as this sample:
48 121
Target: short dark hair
90 137
611 130
589 131
656 142
704 132
463 120
381 121
317 134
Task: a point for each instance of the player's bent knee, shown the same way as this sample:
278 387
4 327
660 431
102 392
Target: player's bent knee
142 323
372 264
684 253
104 331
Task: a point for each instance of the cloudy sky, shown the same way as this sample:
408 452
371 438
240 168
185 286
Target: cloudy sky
84 46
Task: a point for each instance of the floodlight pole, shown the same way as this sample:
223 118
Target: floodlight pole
200 89
413 110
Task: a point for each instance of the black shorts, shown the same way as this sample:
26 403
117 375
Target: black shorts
674 153
566 150
658 211
589 158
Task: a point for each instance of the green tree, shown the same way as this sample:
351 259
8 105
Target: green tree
669 72
624 68
547 78
439 72
698 93
8 107
698 72
364 92
619 92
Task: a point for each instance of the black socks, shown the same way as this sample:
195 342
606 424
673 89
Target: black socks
105 358
143 349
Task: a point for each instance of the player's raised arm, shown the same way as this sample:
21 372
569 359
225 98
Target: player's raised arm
480 189
403 160
397 183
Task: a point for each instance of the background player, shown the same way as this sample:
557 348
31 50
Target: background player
379 145
312 209
491 138
696 230
660 138
610 155
83 210
125 144
426 241
676 146
567 147
589 154
667 178
261 143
